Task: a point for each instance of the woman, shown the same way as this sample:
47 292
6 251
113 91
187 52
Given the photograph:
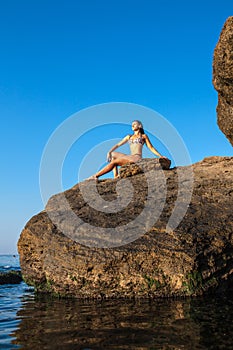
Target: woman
136 143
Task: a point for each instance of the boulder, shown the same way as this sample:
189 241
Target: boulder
146 164
159 258
223 79
11 277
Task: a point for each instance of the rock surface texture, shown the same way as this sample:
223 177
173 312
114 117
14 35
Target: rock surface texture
223 79
194 258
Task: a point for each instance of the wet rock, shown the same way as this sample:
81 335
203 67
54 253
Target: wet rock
10 277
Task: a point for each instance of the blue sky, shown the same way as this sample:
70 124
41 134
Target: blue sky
59 57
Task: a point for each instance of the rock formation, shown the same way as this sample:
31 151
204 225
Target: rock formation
10 277
223 79
154 232
194 258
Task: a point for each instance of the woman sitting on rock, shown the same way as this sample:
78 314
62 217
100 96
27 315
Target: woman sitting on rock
136 143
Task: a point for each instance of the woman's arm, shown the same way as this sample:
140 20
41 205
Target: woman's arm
122 142
151 148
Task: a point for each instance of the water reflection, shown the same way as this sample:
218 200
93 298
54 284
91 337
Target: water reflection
119 324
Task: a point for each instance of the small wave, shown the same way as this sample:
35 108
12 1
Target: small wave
9 262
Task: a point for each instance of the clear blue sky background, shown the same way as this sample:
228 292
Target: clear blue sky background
58 57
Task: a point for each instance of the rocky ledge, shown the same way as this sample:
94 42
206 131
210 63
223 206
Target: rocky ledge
192 256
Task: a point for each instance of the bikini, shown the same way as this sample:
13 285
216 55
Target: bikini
137 140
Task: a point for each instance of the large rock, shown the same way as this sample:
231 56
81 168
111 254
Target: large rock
10 277
145 165
223 79
60 256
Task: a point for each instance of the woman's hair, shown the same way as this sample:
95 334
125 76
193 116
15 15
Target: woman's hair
141 127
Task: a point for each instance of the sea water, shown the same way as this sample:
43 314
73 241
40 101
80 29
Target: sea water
28 321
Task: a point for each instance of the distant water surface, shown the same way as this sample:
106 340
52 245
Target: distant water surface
31 322
9 262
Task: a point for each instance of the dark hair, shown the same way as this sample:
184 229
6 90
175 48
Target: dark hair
141 130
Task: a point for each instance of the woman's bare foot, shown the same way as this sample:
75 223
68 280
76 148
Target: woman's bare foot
93 177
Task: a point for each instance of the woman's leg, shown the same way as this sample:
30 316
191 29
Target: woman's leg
116 155
111 165
115 171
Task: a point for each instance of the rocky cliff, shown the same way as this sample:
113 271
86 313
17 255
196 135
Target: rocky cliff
223 79
194 258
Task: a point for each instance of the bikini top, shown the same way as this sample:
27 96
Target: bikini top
137 140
